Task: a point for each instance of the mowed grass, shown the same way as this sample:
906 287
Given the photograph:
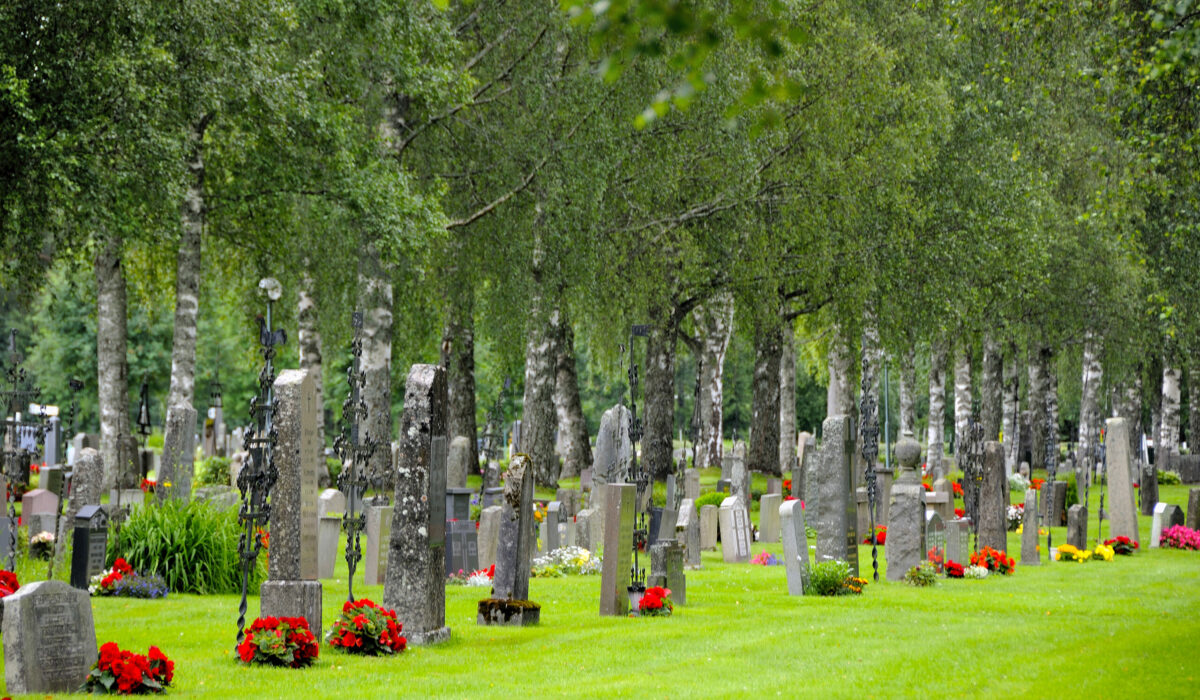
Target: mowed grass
1105 630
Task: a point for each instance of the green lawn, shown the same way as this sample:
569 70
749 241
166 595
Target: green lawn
1121 629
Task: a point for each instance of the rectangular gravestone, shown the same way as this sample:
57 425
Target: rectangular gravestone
666 524
993 499
53 451
1029 531
1157 524
958 541
415 584
379 534
585 480
666 570
935 537
795 546
805 447
735 531
462 547
38 501
1122 508
489 535
292 588
331 502
84 489
89 545
53 479
329 529
618 544
687 531
458 463
1054 503
514 550
554 515
768 517
837 536
775 486
492 496
49 638
1076 526
905 543
708 527
739 484
1193 511
179 453
862 511
587 534
691 484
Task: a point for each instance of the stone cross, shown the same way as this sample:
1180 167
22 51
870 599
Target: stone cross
414 586
49 638
795 546
1122 509
292 588
993 499
837 536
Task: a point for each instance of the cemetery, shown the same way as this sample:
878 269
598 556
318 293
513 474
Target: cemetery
643 348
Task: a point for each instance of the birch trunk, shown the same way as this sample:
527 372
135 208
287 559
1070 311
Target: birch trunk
1168 440
1089 405
991 408
908 387
787 400
308 340
1051 373
1037 412
937 407
187 279
1193 408
458 358
112 367
962 395
764 422
716 328
538 420
660 394
838 398
572 428
375 299
1012 410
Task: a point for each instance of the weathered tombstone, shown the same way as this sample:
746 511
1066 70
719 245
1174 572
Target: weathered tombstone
739 485
862 511
708 527
415 586
666 570
458 504
935 536
492 496
292 588
458 463
837 536
1054 503
735 531
618 544
1076 526
905 544
1029 531
38 501
489 535
330 502
667 520
993 499
586 534
49 638
795 546
958 541
379 535
672 491
509 603
768 517
1193 511
687 531
585 480
329 528
491 476
462 547
805 447
554 514
1148 489
89 545
179 454
86 479
1122 509
1023 470
691 484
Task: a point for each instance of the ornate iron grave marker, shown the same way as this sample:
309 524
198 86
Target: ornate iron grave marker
869 420
21 435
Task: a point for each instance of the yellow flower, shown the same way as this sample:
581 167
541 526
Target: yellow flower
167 484
1020 529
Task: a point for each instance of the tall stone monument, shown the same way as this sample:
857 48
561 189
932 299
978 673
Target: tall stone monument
1123 508
618 544
905 544
993 499
837 535
509 603
292 588
1029 531
795 546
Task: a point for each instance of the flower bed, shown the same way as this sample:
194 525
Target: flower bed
976 572
1121 545
122 581
126 673
954 569
41 545
566 560
993 560
1067 552
1180 537
765 559
278 641
366 628
8 583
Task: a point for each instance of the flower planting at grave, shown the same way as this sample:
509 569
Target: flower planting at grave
954 569
921 575
1036 483
935 556
41 545
125 673
832 578
656 602
480 577
787 485
927 486
993 560
958 489
766 559
977 573
1014 515
1180 537
880 535
366 628
8 583
1067 552
960 513
571 560
1103 552
148 485
278 641
539 511
122 581
1122 545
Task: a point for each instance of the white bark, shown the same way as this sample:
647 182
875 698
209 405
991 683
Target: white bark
787 401
308 340
962 395
716 328
1168 440
538 420
838 396
187 281
1089 400
1012 410
572 428
375 299
991 389
937 407
1052 409
112 368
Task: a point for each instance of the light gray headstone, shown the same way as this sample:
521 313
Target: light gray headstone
687 531
837 536
905 544
740 479
1156 524
1077 519
805 449
613 448
735 531
554 517
179 454
458 464
329 528
993 499
1193 511
1029 531
379 535
958 546
618 544
49 638
331 501
1122 508
489 535
708 527
414 585
691 484
666 524
795 546
768 517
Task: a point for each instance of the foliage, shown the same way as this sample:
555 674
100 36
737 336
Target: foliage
566 560
976 572
1067 552
1014 516
193 546
41 545
765 558
880 535
1018 483
993 560
712 498
1122 545
923 574
278 641
1180 537
1169 478
8 583
656 602
126 673
366 628
1072 491
213 471
954 569
123 582
832 578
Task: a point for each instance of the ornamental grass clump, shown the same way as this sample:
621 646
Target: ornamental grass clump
712 498
832 578
923 574
278 641
366 628
1180 537
126 673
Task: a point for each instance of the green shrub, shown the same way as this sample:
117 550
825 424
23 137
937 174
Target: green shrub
922 574
155 441
829 578
1072 491
212 471
193 546
1169 478
712 498
334 466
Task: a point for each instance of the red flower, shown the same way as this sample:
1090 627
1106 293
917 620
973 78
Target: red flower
954 569
958 489
960 513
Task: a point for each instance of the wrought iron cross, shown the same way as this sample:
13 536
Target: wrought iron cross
637 473
869 421
20 392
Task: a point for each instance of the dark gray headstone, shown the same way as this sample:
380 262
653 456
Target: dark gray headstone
613 448
837 536
53 479
1029 531
1077 526
462 547
89 545
795 546
458 504
492 496
554 518
1148 489
415 586
49 638
1193 511
514 550
618 544
54 453
666 570
1122 509
993 499
179 453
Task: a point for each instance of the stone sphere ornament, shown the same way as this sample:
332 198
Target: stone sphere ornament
908 452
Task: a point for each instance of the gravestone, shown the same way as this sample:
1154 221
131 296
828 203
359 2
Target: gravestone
618 544
735 531
330 502
179 453
958 541
509 602
1054 503
687 531
862 511
86 479
52 452
837 536
329 528
795 546
458 504
587 534
553 539
292 588
458 463
514 446
775 486
691 484
37 523
613 448
89 545
1172 516
739 482
1165 516
492 496
462 547
1076 526
489 535
1122 509
53 479
570 500
708 527
805 451
672 491
49 638
1029 531
1023 470
414 585
935 536
666 570
1148 489
905 544
1193 511
768 517
38 501
993 499
667 520
491 476
128 474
